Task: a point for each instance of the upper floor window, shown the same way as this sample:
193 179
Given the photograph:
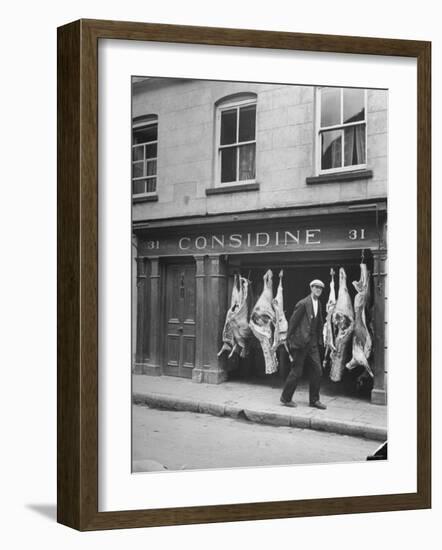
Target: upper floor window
342 129
144 155
236 140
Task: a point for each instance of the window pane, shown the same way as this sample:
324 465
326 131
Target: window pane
247 162
354 139
330 106
151 168
146 133
151 185
331 149
228 164
228 127
151 150
137 153
137 169
247 118
354 105
138 187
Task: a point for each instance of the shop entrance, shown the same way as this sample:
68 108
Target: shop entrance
180 320
298 270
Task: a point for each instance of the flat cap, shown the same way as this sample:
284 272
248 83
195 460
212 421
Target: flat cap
317 282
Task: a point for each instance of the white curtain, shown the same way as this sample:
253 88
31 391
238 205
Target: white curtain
355 145
247 162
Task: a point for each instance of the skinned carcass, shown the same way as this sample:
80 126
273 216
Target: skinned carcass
328 333
261 320
343 322
281 324
239 320
362 342
228 337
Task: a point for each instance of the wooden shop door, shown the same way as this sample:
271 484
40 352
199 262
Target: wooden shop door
180 317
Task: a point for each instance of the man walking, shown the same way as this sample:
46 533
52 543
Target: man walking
304 337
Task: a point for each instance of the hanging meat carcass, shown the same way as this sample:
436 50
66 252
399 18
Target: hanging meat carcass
343 323
261 320
239 320
362 342
228 338
281 324
328 333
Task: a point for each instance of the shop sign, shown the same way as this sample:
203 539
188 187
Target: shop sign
285 239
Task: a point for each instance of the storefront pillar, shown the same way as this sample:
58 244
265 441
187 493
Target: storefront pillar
154 363
200 283
213 288
379 393
141 301
148 315
134 299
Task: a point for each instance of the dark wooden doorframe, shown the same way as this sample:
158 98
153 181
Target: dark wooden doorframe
180 319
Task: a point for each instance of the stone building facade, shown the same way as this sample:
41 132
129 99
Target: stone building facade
233 177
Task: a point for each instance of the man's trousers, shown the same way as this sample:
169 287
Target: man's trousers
301 357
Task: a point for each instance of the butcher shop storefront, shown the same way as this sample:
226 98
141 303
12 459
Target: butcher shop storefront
199 279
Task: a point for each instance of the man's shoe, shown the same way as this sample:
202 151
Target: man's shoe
291 404
318 405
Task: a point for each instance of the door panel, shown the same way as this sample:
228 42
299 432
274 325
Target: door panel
189 351
172 295
173 350
189 295
180 322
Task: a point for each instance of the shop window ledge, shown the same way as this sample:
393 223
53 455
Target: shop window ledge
232 189
340 176
145 198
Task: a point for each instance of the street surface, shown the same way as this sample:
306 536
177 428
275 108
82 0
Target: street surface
180 440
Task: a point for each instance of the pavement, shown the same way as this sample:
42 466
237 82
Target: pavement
258 402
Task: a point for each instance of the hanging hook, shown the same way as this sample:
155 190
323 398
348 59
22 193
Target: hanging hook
363 256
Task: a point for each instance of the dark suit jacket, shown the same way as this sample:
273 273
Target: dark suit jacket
298 334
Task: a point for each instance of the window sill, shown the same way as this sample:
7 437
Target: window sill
144 198
340 176
232 189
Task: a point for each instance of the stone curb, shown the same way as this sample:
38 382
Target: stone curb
168 402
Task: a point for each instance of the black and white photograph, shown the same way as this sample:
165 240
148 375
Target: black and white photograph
259 274
221 268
